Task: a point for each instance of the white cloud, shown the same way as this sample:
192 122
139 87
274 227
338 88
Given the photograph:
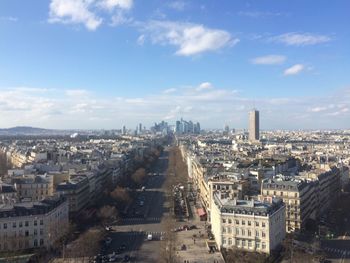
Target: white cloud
190 39
59 108
318 109
88 12
171 90
204 86
294 70
113 4
177 5
76 92
141 40
269 60
74 12
119 18
301 39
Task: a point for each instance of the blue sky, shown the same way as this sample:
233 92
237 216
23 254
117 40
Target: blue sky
105 63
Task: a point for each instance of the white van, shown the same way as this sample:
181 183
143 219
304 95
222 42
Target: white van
149 237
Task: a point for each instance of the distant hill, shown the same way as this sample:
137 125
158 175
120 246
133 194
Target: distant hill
24 130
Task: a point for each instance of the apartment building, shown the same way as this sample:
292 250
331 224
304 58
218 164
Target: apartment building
248 224
33 224
8 194
33 187
77 191
229 187
328 186
298 195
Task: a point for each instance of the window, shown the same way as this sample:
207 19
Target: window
243 232
238 242
249 244
41 222
263 246
249 223
249 233
263 234
224 230
257 233
35 223
224 241
230 241
14 225
243 222
35 242
237 231
5 226
20 224
26 223
257 244
41 231
230 221
26 233
281 193
237 222
263 224
35 232
229 230
223 221
243 243
256 223
41 242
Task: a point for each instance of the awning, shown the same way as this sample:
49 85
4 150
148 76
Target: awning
201 212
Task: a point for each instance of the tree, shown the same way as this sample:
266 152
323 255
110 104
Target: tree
139 175
87 245
107 214
121 195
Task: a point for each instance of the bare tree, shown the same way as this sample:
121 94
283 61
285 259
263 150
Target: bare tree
121 195
107 214
87 245
139 175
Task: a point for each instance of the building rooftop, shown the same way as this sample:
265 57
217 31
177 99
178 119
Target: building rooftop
31 208
248 207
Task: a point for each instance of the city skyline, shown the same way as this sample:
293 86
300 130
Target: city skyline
102 64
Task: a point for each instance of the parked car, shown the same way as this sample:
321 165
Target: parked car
108 240
126 258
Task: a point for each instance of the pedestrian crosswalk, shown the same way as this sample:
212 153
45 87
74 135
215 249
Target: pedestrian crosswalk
343 252
141 220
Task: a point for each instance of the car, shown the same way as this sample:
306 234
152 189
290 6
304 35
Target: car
108 240
142 203
123 246
108 228
149 237
113 258
126 258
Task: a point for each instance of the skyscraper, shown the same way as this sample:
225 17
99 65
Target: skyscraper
254 125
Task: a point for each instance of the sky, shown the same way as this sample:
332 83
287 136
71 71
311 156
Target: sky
102 64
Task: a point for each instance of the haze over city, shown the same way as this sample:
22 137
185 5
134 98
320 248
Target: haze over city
103 63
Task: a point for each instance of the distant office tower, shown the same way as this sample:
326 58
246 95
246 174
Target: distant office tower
124 130
226 129
140 127
254 125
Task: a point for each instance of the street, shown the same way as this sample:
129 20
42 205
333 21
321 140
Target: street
143 217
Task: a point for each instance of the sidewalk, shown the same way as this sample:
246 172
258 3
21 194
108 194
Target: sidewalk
196 247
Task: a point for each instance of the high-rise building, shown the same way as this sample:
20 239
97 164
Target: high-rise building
140 127
254 125
124 130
